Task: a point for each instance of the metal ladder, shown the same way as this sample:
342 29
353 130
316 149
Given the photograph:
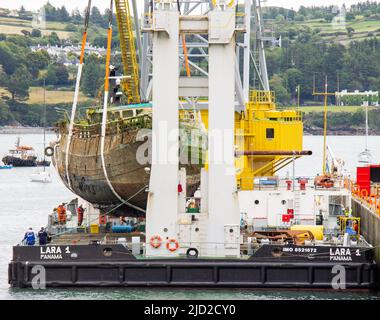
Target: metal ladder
128 51
297 195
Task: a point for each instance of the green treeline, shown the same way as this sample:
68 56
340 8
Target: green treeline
305 53
344 122
352 67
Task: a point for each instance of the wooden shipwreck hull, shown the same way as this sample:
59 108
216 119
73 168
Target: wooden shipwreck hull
128 177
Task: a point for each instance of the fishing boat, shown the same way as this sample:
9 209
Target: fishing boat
21 156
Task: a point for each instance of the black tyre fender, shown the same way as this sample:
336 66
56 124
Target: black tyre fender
192 253
49 151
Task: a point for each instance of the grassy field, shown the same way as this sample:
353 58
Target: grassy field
330 108
328 31
52 97
14 26
359 25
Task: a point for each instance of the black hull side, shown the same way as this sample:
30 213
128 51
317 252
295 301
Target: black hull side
17 162
92 268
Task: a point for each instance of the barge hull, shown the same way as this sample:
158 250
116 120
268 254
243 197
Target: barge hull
190 273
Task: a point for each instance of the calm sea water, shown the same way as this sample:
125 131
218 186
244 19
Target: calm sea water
24 204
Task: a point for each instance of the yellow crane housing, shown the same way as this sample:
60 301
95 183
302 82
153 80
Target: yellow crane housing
130 84
265 138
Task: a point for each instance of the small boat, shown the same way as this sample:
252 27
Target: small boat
21 156
42 176
6 167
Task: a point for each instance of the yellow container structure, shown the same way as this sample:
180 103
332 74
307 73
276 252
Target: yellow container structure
263 128
317 231
94 228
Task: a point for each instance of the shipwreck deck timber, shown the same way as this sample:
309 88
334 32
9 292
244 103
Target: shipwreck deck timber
126 173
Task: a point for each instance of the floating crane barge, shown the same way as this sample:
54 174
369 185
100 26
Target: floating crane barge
244 227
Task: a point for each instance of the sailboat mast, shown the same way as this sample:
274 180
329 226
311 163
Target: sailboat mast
44 123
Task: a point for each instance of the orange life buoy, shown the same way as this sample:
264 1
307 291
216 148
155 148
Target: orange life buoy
364 193
169 245
155 241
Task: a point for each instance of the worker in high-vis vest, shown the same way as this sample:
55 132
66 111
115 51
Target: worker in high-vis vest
348 212
61 210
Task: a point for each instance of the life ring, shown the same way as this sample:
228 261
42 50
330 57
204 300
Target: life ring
49 151
364 193
169 245
155 241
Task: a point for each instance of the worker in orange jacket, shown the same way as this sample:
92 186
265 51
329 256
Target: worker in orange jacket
61 210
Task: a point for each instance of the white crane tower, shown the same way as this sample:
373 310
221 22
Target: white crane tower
216 231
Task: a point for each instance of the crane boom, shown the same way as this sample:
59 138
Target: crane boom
130 84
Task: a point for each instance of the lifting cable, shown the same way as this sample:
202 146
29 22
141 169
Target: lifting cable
104 115
76 94
184 47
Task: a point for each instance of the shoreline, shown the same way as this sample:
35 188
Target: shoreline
306 132
24 130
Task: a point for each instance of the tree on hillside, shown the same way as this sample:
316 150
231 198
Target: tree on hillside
63 15
76 17
19 83
50 12
350 31
57 74
277 85
96 17
23 14
36 33
5 113
100 41
7 59
293 78
93 74
37 61
53 39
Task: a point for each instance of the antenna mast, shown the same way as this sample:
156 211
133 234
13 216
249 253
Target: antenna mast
325 94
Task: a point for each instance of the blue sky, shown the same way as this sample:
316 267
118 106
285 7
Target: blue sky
102 4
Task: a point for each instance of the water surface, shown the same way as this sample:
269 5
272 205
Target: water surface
26 204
